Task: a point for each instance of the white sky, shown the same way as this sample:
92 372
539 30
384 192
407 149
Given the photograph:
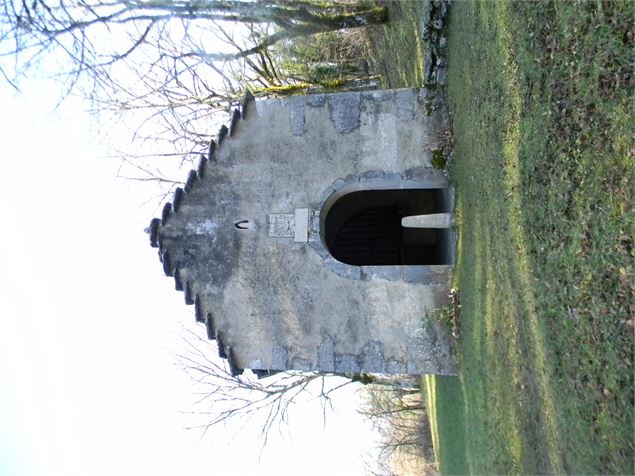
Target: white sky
88 324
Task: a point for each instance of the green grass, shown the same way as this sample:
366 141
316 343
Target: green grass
542 103
452 451
398 45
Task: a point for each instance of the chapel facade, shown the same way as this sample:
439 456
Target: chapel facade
316 235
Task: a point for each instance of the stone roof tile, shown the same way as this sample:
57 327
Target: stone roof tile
154 229
234 122
192 176
189 298
200 170
222 133
233 368
209 325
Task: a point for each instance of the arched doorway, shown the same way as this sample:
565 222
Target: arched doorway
363 228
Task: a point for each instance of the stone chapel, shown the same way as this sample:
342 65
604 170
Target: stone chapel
317 236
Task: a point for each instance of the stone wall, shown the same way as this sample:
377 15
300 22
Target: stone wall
277 300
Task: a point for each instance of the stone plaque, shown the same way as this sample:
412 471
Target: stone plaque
280 225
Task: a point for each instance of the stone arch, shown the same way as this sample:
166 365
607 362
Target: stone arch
364 228
366 203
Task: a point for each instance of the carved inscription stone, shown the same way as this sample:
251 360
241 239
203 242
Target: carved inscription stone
280 225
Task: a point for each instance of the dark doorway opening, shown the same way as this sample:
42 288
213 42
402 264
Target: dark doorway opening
364 228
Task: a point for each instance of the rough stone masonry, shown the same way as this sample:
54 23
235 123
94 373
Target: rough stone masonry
288 238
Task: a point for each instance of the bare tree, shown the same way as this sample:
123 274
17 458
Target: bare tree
32 28
165 67
400 418
222 396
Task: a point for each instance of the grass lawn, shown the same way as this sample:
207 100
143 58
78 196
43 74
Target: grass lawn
397 46
542 102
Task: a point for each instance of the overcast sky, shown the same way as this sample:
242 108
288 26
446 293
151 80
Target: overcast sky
89 325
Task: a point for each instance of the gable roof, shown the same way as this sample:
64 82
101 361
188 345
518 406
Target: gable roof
173 267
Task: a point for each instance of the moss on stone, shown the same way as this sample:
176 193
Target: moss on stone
438 159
